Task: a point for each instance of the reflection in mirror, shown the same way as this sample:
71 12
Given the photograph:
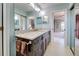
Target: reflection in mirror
19 22
27 18
23 11
31 23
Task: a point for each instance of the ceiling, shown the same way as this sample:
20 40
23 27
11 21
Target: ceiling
43 6
24 6
59 15
47 6
59 18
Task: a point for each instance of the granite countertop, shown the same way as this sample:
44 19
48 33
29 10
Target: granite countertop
32 34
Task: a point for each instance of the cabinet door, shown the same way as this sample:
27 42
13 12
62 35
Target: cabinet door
42 47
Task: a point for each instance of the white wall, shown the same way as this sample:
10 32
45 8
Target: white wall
51 24
9 37
0 31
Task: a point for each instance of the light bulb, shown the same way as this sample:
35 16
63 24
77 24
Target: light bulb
42 13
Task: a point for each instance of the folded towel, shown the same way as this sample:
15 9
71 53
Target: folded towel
23 48
18 45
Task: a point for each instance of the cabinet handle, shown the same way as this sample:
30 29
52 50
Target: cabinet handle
29 47
29 44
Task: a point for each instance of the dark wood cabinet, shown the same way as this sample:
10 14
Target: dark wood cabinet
38 46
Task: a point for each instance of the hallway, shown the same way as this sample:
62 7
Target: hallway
57 48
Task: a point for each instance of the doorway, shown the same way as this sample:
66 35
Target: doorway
59 26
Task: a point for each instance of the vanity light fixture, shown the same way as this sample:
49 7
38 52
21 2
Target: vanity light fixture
32 4
16 17
35 7
42 13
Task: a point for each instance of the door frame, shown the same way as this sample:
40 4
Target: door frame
65 21
9 37
72 30
1 29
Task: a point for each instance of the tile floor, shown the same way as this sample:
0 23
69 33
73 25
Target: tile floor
57 48
76 47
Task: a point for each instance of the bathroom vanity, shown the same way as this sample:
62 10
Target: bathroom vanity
36 43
